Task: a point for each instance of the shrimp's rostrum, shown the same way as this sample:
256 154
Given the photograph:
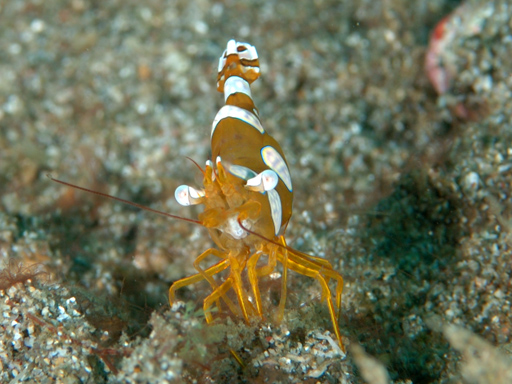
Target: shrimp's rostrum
247 195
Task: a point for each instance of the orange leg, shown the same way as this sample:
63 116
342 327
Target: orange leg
253 280
284 282
254 273
220 255
214 296
300 264
249 210
324 267
236 277
283 258
214 269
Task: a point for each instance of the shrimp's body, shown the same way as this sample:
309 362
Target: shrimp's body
247 195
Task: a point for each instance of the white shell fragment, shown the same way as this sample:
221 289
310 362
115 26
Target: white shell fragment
470 183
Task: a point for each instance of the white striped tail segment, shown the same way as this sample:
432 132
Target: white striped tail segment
234 112
239 54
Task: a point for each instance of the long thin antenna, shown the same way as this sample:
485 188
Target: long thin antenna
197 165
123 201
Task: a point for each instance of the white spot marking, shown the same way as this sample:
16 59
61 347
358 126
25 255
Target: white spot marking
275 161
276 209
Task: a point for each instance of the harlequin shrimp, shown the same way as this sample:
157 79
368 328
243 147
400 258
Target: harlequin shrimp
247 195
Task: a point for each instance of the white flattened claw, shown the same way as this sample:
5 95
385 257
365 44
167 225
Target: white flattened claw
186 195
264 181
241 172
269 179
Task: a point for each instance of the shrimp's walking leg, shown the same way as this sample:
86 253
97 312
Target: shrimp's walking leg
326 268
253 280
254 273
236 278
214 296
284 279
316 271
220 255
214 269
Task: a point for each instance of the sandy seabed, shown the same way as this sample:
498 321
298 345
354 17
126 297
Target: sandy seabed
405 190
